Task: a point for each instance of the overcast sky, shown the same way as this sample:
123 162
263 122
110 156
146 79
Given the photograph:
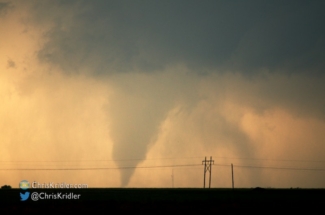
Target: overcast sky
113 84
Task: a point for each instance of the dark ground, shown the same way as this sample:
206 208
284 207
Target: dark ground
156 200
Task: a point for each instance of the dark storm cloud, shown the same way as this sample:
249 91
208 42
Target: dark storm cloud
3 7
291 37
149 35
302 96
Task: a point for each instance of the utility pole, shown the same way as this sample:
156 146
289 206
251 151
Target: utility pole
173 178
232 175
207 168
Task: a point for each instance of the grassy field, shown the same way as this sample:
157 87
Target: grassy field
158 200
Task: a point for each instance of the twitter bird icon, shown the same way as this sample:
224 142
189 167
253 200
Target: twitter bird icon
24 197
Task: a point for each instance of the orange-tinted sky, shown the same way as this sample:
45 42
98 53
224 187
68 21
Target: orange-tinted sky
87 88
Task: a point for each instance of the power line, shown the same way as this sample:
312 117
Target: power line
280 168
267 159
167 158
106 168
164 166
